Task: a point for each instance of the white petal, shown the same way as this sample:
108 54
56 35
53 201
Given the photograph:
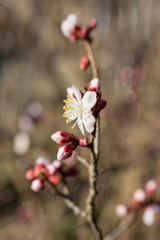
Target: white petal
76 93
89 100
89 122
80 125
65 28
73 19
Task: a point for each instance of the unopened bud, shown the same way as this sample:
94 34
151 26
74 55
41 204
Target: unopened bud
92 23
83 141
50 169
94 85
101 103
84 33
121 210
151 188
61 137
65 151
84 62
37 185
151 215
30 174
139 197
73 37
39 170
54 179
58 165
71 160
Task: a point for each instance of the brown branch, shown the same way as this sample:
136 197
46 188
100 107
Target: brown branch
94 157
91 58
90 202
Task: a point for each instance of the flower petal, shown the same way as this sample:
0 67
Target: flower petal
89 122
76 93
80 125
89 100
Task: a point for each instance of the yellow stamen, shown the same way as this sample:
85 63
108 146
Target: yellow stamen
73 125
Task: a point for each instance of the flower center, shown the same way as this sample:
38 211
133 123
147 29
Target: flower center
72 109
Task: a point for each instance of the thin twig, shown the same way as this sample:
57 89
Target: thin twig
67 199
91 58
122 227
83 160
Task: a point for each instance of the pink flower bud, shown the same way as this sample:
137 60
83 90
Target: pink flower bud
151 215
37 185
71 161
39 170
84 33
94 85
58 165
73 37
30 174
150 188
50 169
62 137
83 141
139 197
121 210
54 179
84 62
65 151
92 23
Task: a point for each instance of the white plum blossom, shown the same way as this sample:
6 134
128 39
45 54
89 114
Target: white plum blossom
21 143
79 109
69 24
151 215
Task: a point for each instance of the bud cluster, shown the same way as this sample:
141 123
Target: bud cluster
72 28
145 200
65 151
44 170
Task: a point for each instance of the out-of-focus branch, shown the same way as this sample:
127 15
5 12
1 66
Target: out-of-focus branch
122 227
65 194
91 58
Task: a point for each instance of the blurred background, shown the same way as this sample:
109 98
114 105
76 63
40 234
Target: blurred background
37 64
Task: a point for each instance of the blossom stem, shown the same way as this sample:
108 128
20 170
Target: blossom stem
91 58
